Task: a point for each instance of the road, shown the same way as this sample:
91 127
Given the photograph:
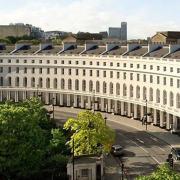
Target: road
143 152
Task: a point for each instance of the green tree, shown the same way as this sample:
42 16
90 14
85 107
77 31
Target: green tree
29 142
163 172
90 133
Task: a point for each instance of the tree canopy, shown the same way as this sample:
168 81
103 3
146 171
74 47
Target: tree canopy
163 172
90 133
29 141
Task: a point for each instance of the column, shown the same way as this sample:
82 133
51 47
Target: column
55 99
82 102
129 110
61 100
174 123
155 117
102 104
47 98
161 118
75 100
109 105
89 103
167 121
16 96
1 96
115 107
8 95
24 95
135 111
68 100
142 111
96 104
122 108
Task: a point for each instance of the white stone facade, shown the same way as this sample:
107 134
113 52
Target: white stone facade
120 84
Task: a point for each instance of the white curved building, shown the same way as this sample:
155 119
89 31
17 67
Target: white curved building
120 78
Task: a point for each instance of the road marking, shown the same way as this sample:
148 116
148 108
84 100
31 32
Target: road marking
162 149
140 141
156 160
153 138
140 146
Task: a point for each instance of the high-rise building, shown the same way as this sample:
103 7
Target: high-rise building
124 31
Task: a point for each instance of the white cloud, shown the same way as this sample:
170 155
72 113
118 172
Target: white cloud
83 15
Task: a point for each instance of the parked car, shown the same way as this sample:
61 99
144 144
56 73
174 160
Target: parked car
175 151
117 150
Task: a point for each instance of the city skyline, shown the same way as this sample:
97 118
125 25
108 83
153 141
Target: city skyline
143 18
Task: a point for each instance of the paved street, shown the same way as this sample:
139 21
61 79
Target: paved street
143 151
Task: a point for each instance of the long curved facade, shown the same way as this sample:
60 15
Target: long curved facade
121 83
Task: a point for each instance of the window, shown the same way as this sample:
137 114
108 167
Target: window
55 61
32 61
90 63
151 79
111 63
77 72
1 69
48 70
40 61
1 81
84 172
104 73
9 69
118 75
171 81
138 78
40 70
97 63
25 61
111 74
138 66
84 72
104 63
131 76
178 83
84 62
124 64
25 70
151 67
69 62
62 71
158 68
97 73
90 72
164 68
17 60
171 69
9 60
131 65
17 69
118 64
55 70
144 66
33 70
77 62
1 60
158 80
62 62
164 80
178 70
144 78
69 71
48 61
124 75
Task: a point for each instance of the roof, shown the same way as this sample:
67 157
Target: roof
171 34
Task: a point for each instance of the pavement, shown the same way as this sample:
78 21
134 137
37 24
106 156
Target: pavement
164 135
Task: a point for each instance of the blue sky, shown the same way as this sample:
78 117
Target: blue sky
144 17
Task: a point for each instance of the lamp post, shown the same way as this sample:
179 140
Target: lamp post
146 114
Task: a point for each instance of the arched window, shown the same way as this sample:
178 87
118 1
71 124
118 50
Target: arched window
178 100
157 96
83 85
171 99
32 82
55 83
47 83
25 82
131 91
151 94
164 97
124 90
137 92
97 86
1 81
76 84
111 87
17 81
9 81
69 84
144 93
40 82
90 86
62 83
117 89
104 87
